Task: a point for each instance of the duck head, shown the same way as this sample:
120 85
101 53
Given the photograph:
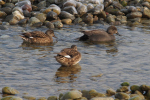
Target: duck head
50 33
112 30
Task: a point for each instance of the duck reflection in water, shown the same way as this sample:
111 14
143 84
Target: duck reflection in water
43 47
66 74
110 47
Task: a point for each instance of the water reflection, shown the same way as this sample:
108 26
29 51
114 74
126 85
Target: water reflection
67 74
110 43
111 47
112 51
28 46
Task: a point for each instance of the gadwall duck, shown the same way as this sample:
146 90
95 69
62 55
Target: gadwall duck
38 37
68 56
99 35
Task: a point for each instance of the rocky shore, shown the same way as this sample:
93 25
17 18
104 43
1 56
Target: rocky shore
125 92
55 13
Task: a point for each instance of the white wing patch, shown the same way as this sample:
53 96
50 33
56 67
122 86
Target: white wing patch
67 56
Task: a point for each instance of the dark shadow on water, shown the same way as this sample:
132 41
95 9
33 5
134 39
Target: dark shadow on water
67 74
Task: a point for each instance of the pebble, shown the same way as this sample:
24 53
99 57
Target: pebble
4 36
73 94
9 90
11 98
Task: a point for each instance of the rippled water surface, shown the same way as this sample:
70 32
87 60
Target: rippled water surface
33 70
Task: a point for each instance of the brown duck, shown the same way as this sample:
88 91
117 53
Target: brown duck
68 56
99 35
38 37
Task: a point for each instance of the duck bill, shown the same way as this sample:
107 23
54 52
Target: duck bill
118 34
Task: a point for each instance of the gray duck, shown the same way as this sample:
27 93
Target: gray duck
99 35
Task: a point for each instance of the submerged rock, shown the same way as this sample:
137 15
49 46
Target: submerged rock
74 94
9 90
52 98
11 98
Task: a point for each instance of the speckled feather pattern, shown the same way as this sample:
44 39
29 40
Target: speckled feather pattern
73 53
38 36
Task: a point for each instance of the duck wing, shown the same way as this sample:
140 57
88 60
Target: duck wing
101 37
93 32
39 34
69 53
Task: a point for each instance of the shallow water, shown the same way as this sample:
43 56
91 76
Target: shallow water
32 69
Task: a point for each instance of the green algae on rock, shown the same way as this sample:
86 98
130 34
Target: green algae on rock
121 95
91 94
123 89
11 98
133 88
110 92
125 84
52 98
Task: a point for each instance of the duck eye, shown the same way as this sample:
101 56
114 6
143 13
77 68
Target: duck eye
71 56
59 55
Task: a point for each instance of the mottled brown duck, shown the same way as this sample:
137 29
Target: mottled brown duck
68 56
38 37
